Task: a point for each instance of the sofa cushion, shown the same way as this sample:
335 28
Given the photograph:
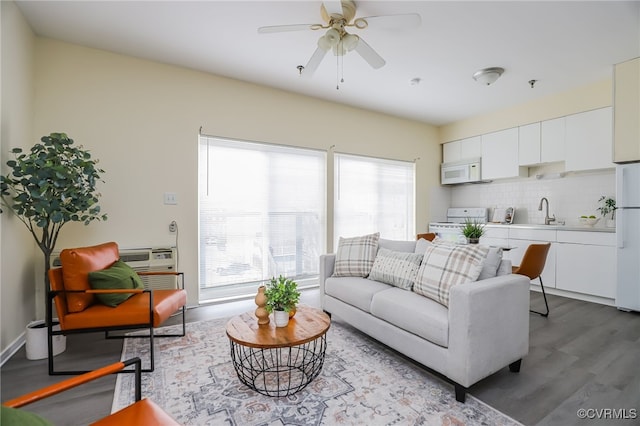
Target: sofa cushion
76 265
491 263
354 291
355 255
446 265
397 268
397 245
414 313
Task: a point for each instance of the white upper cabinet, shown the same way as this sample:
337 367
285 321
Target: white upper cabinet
462 149
529 144
552 140
626 101
588 140
542 142
500 155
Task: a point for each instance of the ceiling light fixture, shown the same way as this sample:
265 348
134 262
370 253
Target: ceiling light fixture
488 76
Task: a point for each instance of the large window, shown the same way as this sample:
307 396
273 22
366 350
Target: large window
373 194
262 214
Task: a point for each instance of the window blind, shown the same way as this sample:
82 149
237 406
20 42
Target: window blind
373 194
262 214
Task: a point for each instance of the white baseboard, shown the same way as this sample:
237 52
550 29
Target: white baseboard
13 348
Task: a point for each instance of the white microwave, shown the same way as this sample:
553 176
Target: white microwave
460 172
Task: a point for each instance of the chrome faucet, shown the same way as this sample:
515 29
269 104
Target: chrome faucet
547 219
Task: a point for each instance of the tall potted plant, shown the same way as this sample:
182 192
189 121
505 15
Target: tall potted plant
51 185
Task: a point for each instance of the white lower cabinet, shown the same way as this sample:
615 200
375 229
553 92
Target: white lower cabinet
497 236
586 263
581 263
520 239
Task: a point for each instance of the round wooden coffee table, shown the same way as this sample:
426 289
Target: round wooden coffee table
279 361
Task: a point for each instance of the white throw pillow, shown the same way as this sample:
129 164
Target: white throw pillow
421 245
355 256
491 263
446 265
397 268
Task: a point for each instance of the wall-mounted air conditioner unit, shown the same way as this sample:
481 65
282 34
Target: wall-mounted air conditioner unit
145 260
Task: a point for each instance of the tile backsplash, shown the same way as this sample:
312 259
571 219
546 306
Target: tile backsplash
570 196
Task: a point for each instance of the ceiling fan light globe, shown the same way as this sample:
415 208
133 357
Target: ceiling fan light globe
332 36
323 43
350 41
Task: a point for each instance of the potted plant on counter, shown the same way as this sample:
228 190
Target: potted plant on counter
472 230
608 205
51 185
282 297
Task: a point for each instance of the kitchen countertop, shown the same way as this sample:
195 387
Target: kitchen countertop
569 227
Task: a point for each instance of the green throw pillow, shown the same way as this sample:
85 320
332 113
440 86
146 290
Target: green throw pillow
13 416
118 275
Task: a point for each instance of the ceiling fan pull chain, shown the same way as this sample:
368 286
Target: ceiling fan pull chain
338 72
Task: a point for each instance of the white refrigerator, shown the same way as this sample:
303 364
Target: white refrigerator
628 236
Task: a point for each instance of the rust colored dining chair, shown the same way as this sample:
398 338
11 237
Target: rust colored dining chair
429 236
141 412
532 265
95 292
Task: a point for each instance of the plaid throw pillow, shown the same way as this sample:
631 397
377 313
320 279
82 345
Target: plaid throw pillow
355 256
446 265
396 268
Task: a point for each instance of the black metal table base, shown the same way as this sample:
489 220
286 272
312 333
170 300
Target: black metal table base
279 371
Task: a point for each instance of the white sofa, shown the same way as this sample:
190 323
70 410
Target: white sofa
484 329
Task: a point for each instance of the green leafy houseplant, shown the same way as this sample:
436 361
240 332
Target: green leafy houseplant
607 205
50 186
472 229
282 294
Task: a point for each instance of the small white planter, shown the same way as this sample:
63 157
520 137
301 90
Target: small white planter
281 318
611 223
36 336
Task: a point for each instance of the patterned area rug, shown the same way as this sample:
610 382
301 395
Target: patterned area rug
362 383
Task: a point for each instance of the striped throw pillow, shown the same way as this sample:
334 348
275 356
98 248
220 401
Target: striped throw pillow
396 268
446 265
355 256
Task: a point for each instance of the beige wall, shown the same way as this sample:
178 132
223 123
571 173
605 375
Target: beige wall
592 96
141 120
17 249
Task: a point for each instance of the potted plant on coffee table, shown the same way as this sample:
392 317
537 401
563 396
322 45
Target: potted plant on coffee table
46 188
472 230
282 297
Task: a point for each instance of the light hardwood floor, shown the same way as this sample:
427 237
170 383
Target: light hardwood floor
583 355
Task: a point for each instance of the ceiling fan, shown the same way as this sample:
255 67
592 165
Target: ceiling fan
338 16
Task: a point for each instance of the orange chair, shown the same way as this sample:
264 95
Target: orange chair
142 412
429 236
79 312
532 265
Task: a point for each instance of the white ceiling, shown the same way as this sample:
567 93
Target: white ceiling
561 44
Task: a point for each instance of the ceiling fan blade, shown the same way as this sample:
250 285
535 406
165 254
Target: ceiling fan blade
314 62
333 7
391 22
369 55
292 27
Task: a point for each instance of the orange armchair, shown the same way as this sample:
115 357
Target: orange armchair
142 412
78 310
